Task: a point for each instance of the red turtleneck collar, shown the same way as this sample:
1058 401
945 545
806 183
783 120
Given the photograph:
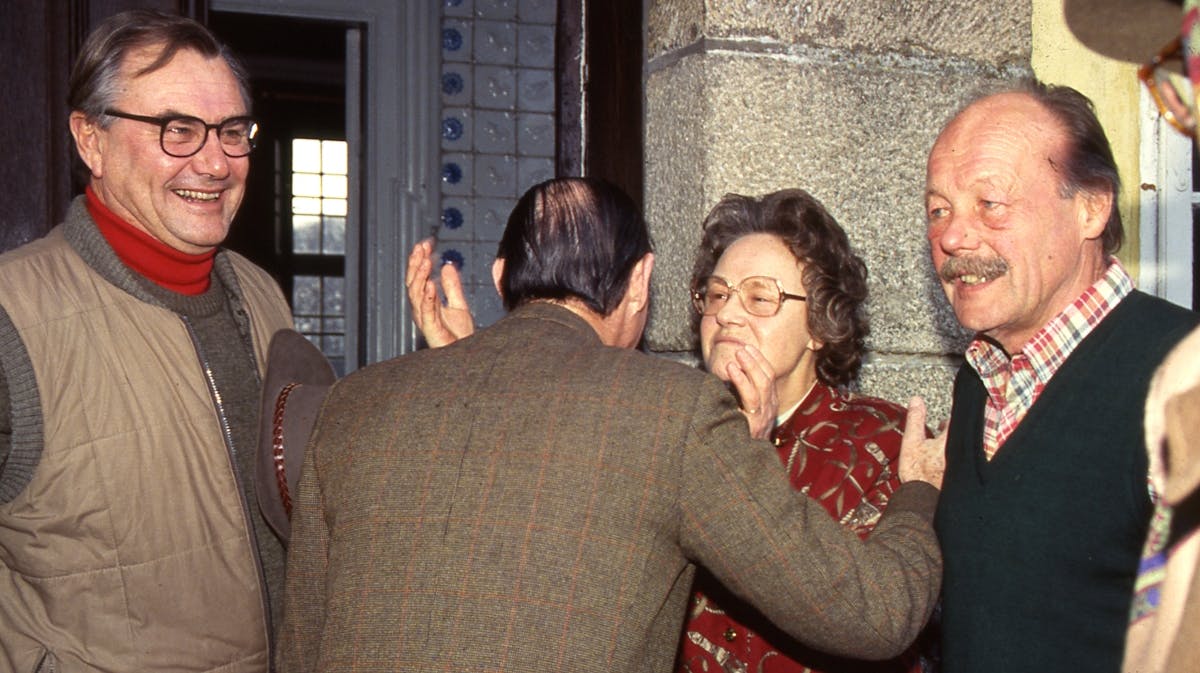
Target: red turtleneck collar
177 271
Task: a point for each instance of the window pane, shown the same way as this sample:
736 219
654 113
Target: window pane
333 186
333 158
306 295
306 184
334 296
319 203
306 234
307 326
334 236
306 206
333 345
306 155
334 207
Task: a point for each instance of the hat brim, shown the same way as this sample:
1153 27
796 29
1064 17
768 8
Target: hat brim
1127 30
297 378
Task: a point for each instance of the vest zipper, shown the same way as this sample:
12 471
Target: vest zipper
231 453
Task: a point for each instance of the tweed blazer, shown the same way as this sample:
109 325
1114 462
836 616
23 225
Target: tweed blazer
529 499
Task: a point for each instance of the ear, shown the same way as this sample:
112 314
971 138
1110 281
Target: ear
497 274
1093 210
88 142
638 292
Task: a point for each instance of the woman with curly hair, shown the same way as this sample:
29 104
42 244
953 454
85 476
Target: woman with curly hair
777 273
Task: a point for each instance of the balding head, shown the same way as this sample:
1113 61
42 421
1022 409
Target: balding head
1014 235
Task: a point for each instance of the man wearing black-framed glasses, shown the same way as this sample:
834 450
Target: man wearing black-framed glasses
1164 629
131 348
183 136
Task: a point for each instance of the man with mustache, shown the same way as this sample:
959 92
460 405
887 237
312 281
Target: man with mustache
131 348
1045 503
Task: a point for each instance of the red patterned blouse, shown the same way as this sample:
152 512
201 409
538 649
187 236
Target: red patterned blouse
840 449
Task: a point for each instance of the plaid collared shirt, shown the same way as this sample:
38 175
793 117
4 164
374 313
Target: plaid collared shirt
1013 385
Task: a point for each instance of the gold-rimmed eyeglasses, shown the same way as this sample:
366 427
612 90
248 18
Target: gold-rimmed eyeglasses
183 136
1171 90
761 296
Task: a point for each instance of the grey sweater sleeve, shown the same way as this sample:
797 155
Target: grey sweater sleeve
5 419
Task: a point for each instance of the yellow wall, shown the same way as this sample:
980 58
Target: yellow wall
1112 85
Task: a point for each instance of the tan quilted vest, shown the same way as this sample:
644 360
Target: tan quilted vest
129 549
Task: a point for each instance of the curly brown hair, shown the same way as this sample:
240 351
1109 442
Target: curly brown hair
835 279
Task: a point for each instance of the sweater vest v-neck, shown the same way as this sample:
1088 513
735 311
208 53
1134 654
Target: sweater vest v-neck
1042 543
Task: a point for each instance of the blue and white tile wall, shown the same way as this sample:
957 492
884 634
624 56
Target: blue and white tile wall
497 129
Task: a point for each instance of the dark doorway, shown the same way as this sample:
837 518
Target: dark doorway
293 219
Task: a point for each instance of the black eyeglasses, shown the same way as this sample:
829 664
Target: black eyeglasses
183 136
761 296
1171 91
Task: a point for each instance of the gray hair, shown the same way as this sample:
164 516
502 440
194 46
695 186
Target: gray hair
95 78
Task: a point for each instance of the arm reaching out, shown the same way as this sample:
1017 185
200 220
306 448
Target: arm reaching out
440 324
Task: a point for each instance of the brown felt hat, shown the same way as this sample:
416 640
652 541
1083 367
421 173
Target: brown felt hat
1128 30
298 377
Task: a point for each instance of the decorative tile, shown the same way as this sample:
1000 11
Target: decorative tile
496 9
457 173
457 220
495 175
497 58
537 11
535 46
535 90
535 134
531 171
458 254
491 216
464 8
457 85
495 132
485 303
456 40
495 87
456 130
495 42
482 255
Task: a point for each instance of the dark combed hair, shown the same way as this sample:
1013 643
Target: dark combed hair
1087 164
572 238
95 77
835 279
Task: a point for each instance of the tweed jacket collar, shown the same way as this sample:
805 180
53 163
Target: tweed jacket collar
555 313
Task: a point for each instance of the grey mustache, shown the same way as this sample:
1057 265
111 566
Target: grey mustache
988 267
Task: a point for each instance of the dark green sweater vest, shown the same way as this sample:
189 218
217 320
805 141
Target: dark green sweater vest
1042 543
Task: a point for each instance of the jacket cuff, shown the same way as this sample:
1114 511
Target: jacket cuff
918 497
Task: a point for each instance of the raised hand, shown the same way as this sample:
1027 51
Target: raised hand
440 324
754 381
921 458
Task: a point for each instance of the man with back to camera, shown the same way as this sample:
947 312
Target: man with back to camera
1045 503
533 497
1164 633
130 351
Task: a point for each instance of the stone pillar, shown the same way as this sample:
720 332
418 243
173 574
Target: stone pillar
840 98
